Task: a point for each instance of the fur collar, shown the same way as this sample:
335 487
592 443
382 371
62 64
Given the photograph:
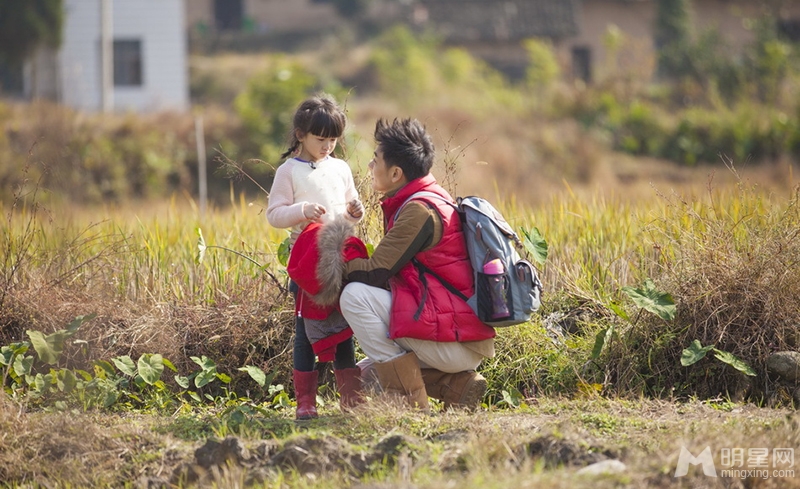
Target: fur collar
331 243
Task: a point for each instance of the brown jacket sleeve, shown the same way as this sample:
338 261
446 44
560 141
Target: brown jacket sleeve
416 228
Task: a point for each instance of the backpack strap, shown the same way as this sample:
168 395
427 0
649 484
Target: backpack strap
447 285
457 207
423 193
423 269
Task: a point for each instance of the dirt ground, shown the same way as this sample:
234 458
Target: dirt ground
553 443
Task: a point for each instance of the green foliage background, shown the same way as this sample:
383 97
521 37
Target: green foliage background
27 26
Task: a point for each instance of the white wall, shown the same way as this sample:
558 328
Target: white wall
80 55
159 24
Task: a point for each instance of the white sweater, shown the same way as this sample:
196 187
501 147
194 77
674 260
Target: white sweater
296 183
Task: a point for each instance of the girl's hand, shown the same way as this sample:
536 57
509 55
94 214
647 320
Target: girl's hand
312 211
355 208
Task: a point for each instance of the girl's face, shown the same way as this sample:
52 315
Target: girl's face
315 148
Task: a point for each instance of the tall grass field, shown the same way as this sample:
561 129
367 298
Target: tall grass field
205 295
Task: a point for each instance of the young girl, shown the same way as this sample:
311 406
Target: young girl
313 186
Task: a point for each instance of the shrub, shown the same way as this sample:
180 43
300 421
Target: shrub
745 133
404 64
767 61
88 159
672 26
267 105
543 69
642 130
416 71
730 265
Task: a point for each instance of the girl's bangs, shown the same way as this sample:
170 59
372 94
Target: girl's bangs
326 125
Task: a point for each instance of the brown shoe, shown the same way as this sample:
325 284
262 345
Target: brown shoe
401 377
461 390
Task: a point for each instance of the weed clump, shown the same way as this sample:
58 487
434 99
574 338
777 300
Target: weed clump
731 266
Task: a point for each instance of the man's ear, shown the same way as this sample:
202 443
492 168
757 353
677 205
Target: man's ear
397 174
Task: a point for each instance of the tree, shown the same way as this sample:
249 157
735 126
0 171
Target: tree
27 25
768 59
673 37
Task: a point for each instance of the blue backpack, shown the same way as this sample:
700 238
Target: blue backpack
489 236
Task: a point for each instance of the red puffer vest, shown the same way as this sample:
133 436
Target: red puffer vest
421 306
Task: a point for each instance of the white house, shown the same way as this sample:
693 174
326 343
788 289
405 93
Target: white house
148 51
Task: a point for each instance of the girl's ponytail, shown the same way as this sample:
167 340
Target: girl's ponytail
293 145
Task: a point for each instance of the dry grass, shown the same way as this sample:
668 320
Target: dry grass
533 160
245 331
136 271
42 449
544 445
732 270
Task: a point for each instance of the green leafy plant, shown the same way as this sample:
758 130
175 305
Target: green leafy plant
16 365
696 352
50 347
142 381
23 374
652 300
602 339
120 381
535 244
283 251
511 398
647 298
276 393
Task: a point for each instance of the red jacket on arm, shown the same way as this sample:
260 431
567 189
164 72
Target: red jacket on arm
316 264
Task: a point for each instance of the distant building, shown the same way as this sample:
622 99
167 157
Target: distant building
732 19
256 25
149 58
151 47
259 16
493 29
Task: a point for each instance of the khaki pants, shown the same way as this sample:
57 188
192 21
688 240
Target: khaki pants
367 311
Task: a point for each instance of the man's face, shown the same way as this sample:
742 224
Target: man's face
382 174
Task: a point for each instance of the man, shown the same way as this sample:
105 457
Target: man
424 339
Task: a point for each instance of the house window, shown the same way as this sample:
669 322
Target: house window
128 63
582 63
228 14
11 79
790 29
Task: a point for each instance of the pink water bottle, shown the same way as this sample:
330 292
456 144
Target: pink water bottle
495 274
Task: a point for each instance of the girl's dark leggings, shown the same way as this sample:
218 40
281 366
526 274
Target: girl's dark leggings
304 357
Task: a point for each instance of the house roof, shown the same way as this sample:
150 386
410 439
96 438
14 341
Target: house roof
502 20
